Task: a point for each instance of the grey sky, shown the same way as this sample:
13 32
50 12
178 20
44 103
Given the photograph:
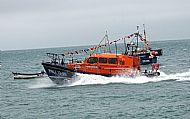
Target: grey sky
26 24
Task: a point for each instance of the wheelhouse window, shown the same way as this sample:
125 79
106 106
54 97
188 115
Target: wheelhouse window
112 60
92 60
103 60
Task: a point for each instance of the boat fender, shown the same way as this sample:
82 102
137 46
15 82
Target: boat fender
157 66
154 53
150 57
153 67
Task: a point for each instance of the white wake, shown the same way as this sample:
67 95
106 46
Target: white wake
87 79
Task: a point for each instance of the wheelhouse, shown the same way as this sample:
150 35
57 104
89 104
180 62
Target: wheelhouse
107 64
112 59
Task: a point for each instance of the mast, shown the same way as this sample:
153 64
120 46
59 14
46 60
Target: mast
106 37
137 37
116 48
145 41
125 46
109 49
107 43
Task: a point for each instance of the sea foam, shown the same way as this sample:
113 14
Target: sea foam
86 79
89 79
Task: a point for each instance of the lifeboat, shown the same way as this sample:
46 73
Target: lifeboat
105 64
100 64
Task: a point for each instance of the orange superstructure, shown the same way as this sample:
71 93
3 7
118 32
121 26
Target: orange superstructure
107 64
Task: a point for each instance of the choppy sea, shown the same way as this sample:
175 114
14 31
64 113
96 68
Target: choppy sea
93 96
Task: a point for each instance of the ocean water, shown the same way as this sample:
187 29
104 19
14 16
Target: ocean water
93 96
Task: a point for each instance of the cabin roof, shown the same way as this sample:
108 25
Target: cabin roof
106 55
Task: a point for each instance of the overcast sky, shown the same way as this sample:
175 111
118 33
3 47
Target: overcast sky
29 24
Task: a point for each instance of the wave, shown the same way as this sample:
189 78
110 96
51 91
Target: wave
42 83
88 79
